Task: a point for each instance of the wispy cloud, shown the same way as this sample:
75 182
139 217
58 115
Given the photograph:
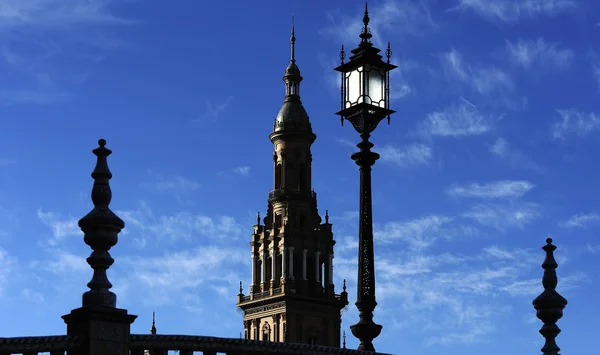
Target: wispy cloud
38 33
539 53
422 233
574 122
8 97
582 220
400 16
514 10
61 227
242 170
56 14
238 170
501 216
495 189
215 111
456 121
483 80
416 154
7 268
176 183
145 225
513 157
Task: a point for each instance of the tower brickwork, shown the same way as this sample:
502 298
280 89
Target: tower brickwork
292 295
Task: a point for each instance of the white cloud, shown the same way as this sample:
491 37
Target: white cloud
581 220
495 189
502 216
422 233
416 154
514 10
8 265
61 228
53 14
242 170
484 80
538 53
176 183
456 121
65 261
145 225
214 111
513 157
576 123
175 277
400 16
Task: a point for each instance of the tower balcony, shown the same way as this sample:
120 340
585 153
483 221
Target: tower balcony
283 195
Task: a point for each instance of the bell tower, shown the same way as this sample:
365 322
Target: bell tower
292 296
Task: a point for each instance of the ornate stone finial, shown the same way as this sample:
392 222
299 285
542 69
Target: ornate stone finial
258 218
344 286
344 343
241 288
153 329
549 304
326 216
101 228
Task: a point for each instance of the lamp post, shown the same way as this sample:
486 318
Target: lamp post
365 97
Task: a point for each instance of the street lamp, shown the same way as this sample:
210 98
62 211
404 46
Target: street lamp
365 99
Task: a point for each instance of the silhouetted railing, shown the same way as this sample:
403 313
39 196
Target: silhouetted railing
55 345
185 344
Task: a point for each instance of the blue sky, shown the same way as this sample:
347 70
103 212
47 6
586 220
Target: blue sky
490 152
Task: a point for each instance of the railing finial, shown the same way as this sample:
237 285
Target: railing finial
549 304
101 228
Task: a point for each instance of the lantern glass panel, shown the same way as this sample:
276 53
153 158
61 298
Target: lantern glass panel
353 94
376 87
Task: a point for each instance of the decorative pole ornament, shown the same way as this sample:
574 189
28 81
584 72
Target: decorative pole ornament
100 227
550 304
364 103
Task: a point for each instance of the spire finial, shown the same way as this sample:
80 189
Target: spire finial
258 218
241 288
344 343
365 35
549 304
326 216
100 228
293 43
153 329
344 286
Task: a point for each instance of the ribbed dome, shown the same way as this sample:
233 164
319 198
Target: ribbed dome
292 115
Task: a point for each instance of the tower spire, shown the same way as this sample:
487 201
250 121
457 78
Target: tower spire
293 43
153 329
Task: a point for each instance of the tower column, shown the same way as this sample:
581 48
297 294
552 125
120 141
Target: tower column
318 266
253 272
291 251
330 269
273 264
264 266
283 251
304 264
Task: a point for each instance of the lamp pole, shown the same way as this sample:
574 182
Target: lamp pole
365 102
